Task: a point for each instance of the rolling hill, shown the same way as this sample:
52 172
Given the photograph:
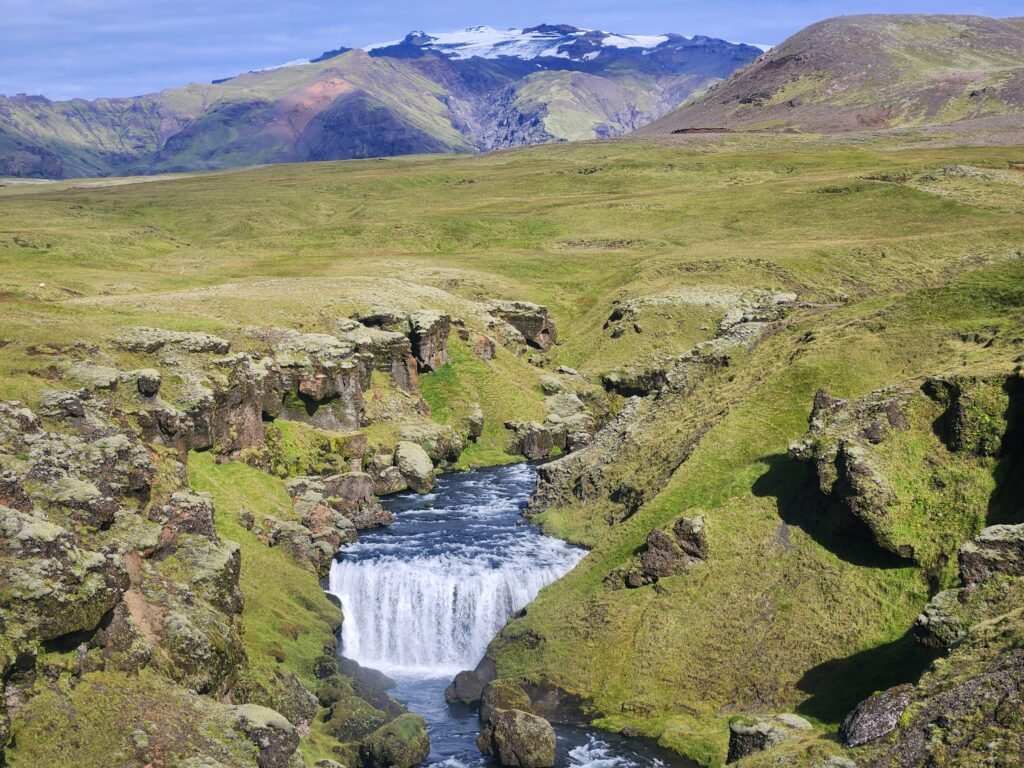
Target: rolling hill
871 72
477 89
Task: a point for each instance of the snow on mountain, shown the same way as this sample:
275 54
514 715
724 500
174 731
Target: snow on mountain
546 40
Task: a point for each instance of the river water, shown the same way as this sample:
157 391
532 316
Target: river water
423 597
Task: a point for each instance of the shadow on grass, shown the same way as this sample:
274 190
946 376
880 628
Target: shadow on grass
800 502
837 686
1004 504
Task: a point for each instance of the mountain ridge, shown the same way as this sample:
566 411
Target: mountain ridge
405 99
869 72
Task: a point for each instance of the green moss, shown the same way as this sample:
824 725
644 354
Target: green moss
288 620
506 389
97 718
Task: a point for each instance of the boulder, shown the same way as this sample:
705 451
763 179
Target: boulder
467 688
531 320
147 381
428 333
940 624
671 553
387 478
274 737
475 422
517 739
997 549
532 440
483 346
635 382
187 512
876 716
749 735
415 465
402 743
441 442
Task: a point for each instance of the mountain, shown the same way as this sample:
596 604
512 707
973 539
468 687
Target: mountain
869 72
478 89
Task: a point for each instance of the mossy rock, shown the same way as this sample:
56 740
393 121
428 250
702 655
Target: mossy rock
402 743
518 739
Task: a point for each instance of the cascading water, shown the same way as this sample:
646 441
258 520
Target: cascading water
427 594
423 598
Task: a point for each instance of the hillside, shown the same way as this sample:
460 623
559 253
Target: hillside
871 72
709 300
408 97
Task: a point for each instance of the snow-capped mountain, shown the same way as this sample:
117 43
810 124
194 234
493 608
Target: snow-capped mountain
544 41
466 91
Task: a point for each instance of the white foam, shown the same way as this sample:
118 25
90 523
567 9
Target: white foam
436 615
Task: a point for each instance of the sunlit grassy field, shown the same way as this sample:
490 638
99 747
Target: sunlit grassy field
908 261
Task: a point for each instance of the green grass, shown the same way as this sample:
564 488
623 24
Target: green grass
902 279
288 620
506 389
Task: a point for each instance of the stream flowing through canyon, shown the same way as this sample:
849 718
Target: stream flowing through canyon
423 597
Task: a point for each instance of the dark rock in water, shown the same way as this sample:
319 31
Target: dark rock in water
469 685
518 739
749 735
273 735
402 743
997 549
371 678
531 320
876 716
467 688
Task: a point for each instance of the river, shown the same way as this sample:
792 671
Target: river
423 597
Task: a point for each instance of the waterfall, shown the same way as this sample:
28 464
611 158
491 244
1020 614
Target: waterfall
434 614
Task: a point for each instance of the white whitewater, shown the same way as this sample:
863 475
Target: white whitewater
428 595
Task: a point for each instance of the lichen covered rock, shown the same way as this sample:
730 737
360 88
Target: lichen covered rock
416 467
876 716
670 553
518 739
402 743
749 735
531 320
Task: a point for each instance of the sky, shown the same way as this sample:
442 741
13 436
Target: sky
90 48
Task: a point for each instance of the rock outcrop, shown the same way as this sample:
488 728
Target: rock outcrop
998 549
747 735
531 320
670 553
275 738
428 333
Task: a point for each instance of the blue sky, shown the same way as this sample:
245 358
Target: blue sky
90 48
